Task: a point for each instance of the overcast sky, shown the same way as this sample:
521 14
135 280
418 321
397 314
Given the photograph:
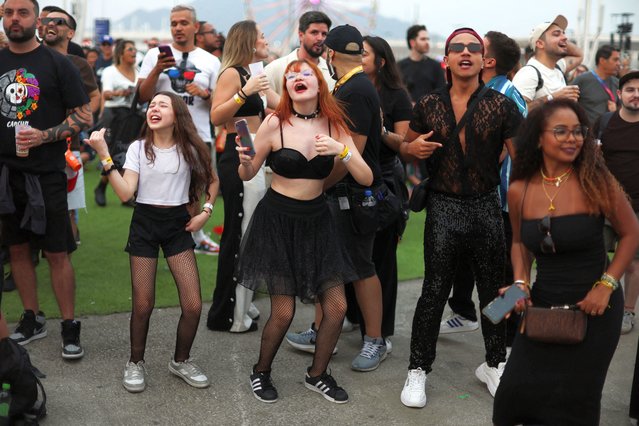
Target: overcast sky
513 17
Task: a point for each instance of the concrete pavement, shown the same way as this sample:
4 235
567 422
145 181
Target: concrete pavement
90 392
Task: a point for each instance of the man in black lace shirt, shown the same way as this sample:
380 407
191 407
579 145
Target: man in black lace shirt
464 214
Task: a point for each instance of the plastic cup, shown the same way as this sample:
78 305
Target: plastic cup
19 151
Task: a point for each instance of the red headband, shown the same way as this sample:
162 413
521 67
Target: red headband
464 31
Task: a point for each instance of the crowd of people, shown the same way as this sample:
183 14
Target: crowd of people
518 166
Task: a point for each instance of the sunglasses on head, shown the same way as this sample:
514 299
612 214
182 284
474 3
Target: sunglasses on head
55 21
547 245
459 47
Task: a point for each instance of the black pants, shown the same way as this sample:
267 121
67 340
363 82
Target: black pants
461 301
471 228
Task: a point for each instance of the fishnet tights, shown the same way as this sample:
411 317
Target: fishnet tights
184 270
333 304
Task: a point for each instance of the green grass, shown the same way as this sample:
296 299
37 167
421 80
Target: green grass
102 273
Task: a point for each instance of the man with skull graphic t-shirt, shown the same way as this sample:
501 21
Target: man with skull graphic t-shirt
43 91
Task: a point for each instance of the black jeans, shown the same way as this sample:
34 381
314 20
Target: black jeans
461 301
471 227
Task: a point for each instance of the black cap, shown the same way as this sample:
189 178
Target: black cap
628 76
345 39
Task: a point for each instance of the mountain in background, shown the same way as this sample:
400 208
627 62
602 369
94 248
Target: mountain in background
273 19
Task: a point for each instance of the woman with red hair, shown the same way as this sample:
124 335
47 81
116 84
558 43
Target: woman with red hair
292 245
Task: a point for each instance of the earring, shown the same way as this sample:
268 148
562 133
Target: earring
254 50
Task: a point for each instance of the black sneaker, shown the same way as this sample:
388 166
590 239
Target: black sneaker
262 386
31 327
326 385
71 348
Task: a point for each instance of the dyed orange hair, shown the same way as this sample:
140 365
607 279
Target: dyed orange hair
329 107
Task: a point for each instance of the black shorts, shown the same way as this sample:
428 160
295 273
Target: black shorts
58 236
358 246
155 227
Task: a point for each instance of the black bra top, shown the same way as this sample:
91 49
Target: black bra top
253 105
292 164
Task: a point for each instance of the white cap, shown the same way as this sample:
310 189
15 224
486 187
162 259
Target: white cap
540 29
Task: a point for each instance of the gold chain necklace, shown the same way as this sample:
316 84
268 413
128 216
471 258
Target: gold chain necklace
554 181
557 181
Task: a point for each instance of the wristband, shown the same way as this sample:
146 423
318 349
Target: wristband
242 94
106 161
238 100
347 157
109 170
522 282
605 284
344 153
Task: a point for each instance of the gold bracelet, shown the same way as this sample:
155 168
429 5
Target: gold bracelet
344 153
238 100
607 284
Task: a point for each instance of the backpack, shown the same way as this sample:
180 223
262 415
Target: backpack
540 79
17 370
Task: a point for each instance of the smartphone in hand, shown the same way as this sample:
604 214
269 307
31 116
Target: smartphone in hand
245 136
496 310
166 49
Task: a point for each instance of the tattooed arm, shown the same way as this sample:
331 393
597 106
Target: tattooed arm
79 119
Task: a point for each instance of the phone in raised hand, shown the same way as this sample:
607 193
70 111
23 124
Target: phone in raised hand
245 136
166 49
496 310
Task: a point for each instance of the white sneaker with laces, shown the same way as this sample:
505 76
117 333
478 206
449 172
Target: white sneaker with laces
490 376
389 345
134 377
189 372
455 323
628 322
414 392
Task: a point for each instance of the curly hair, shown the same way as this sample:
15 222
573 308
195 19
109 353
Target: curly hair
597 183
189 144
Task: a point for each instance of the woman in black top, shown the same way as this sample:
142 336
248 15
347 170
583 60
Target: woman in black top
292 245
380 67
560 193
238 96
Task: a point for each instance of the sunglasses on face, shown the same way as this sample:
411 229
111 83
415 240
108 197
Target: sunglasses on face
547 245
55 21
459 47
562 133
304 74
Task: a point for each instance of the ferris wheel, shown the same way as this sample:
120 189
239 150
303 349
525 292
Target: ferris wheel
279 18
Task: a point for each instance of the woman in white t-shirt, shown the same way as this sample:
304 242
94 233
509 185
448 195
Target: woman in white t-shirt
170 168
118 88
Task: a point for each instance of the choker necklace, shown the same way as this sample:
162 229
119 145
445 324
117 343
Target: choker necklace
306 117
557 181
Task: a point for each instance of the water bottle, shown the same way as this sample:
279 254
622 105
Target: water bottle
369 200
5 404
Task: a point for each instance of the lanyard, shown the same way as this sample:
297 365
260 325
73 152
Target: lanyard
347 77
605 86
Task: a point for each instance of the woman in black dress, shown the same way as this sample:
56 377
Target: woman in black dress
560 193
239 95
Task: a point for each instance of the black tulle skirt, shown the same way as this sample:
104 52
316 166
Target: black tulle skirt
292 247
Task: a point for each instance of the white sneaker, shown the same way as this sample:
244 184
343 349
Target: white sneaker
455 323
348 326
628 322
414 392
490 376
189 372
389 345
134 377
